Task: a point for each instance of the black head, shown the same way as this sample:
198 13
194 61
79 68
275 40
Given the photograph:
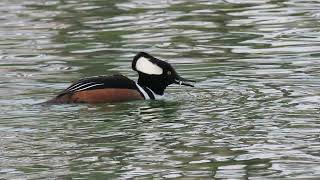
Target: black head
155 73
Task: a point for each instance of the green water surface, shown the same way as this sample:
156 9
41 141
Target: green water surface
254 113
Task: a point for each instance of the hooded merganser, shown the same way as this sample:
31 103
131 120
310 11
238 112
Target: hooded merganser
154 76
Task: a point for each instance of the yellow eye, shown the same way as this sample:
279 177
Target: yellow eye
169 73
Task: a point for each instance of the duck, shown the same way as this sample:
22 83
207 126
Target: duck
154 76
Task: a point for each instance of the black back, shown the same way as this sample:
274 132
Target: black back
101 82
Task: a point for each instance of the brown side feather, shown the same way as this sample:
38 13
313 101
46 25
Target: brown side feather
98 96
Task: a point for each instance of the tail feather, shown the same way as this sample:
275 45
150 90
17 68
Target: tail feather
59 100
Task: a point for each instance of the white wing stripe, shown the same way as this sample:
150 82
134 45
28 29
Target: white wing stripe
78 85
75 85
88 87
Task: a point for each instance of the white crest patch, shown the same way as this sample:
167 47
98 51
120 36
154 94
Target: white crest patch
144 65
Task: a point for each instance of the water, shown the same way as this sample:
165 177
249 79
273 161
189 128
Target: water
253 114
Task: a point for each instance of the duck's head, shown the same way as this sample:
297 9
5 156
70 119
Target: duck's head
155 73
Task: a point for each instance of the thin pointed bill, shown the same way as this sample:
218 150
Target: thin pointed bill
182 81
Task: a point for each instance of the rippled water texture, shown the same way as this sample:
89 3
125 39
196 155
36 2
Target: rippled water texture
253 114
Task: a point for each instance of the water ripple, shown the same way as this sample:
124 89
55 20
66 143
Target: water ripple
253 113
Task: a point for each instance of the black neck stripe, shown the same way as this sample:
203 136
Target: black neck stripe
149 92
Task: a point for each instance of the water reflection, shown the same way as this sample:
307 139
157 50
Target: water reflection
253 114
